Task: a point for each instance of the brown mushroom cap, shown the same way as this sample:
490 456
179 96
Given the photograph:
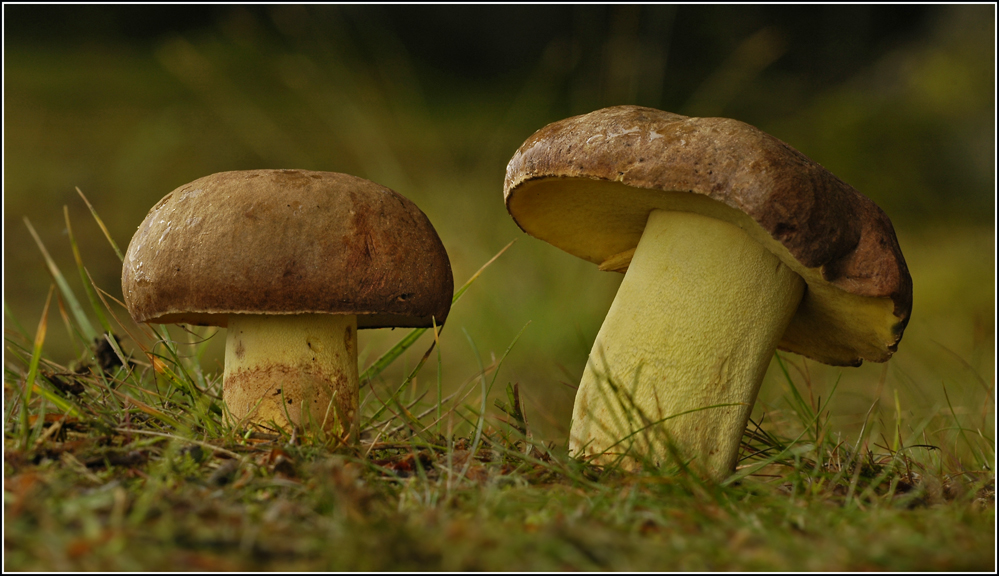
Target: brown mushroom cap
286 242
587 185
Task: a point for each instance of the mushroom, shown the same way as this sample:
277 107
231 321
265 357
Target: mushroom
292 263
733 244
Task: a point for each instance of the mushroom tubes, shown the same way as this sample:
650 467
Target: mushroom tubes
733 244
292 262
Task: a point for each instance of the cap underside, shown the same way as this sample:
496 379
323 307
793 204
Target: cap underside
364 320
596 219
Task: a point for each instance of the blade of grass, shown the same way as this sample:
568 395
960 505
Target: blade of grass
803 409
29 381
749 469
405 382
393 353
898 423
73 333
555 465
67 293
101 224
131 399
10 316
426 412
390 356
457 397
117 350
166 419
91 295
482 411
652 424
185 385
856 458
968 367
64 405
211 447
479 272
485 394
440 384
101 294
411 420
979 459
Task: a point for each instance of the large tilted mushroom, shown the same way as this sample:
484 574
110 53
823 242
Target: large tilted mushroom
292 262
734 244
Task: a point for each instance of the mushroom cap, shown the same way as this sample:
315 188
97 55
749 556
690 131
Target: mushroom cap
587 184
286 242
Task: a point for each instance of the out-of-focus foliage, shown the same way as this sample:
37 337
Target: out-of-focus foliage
130 102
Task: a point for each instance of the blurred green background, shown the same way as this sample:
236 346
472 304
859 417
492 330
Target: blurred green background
130 102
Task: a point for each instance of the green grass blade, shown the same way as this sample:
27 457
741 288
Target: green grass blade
386 359
980 460
405 382
91 295
652 424
29 381
458 293
803 408
485 392
440 382
65 406
10 315
67 293
789 448
144 407
102 226
481 416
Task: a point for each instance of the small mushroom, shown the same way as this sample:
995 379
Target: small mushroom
292 263
733 244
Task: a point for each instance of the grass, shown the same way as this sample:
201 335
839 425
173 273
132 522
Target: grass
124 460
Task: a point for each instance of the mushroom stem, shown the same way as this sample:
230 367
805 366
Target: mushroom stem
694 324
294 369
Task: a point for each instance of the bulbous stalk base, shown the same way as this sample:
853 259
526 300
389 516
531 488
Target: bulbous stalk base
694 325
295 369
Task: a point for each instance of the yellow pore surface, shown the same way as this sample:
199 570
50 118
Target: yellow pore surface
602 221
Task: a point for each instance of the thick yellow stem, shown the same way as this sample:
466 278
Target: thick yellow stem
296 369
694 325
